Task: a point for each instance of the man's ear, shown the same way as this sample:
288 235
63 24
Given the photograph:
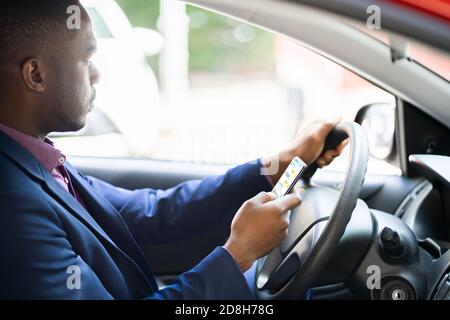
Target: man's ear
33 74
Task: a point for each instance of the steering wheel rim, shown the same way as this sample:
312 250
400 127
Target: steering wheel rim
329 234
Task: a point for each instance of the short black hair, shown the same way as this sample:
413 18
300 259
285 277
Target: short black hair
24 22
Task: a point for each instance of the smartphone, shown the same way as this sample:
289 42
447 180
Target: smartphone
290 177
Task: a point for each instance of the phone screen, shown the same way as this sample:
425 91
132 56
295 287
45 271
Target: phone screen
290 177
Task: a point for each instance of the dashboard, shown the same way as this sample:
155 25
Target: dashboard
426 210
409 245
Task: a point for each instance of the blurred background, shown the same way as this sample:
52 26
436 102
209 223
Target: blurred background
183 84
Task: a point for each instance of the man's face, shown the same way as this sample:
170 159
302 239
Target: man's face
70 92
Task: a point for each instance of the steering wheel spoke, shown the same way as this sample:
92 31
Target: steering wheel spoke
277 268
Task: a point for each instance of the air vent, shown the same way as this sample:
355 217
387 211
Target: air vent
424 186
432 247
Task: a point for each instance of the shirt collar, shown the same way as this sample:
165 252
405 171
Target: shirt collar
43 150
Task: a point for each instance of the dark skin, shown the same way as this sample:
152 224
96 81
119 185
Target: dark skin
50 88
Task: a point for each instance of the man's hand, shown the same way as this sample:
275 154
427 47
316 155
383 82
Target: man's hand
259 226
308 145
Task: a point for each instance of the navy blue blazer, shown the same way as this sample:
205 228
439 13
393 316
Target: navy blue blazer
51 247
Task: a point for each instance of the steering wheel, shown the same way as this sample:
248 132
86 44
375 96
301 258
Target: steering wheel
316 226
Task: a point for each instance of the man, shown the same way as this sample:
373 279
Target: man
56 224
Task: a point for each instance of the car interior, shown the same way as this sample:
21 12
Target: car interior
356 235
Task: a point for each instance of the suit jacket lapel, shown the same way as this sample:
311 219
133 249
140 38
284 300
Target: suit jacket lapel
67 200
111 221
84 216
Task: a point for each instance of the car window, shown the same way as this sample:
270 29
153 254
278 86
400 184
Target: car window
431 59
101 29
245 93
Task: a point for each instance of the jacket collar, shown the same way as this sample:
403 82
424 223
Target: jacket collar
22 157
43 150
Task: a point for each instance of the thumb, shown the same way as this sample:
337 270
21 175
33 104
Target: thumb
288 201
330 123
263 197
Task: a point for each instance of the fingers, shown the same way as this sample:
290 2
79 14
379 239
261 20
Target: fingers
329 155
325 160
342 145
334 120
263 197
330 123
287 202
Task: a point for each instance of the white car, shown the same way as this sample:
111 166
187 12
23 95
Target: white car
128 87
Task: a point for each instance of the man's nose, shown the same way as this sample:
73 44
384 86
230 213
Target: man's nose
95 74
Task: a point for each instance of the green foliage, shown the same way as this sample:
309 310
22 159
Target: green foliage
213 46
142 13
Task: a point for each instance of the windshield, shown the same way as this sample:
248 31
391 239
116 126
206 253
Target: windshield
430 58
